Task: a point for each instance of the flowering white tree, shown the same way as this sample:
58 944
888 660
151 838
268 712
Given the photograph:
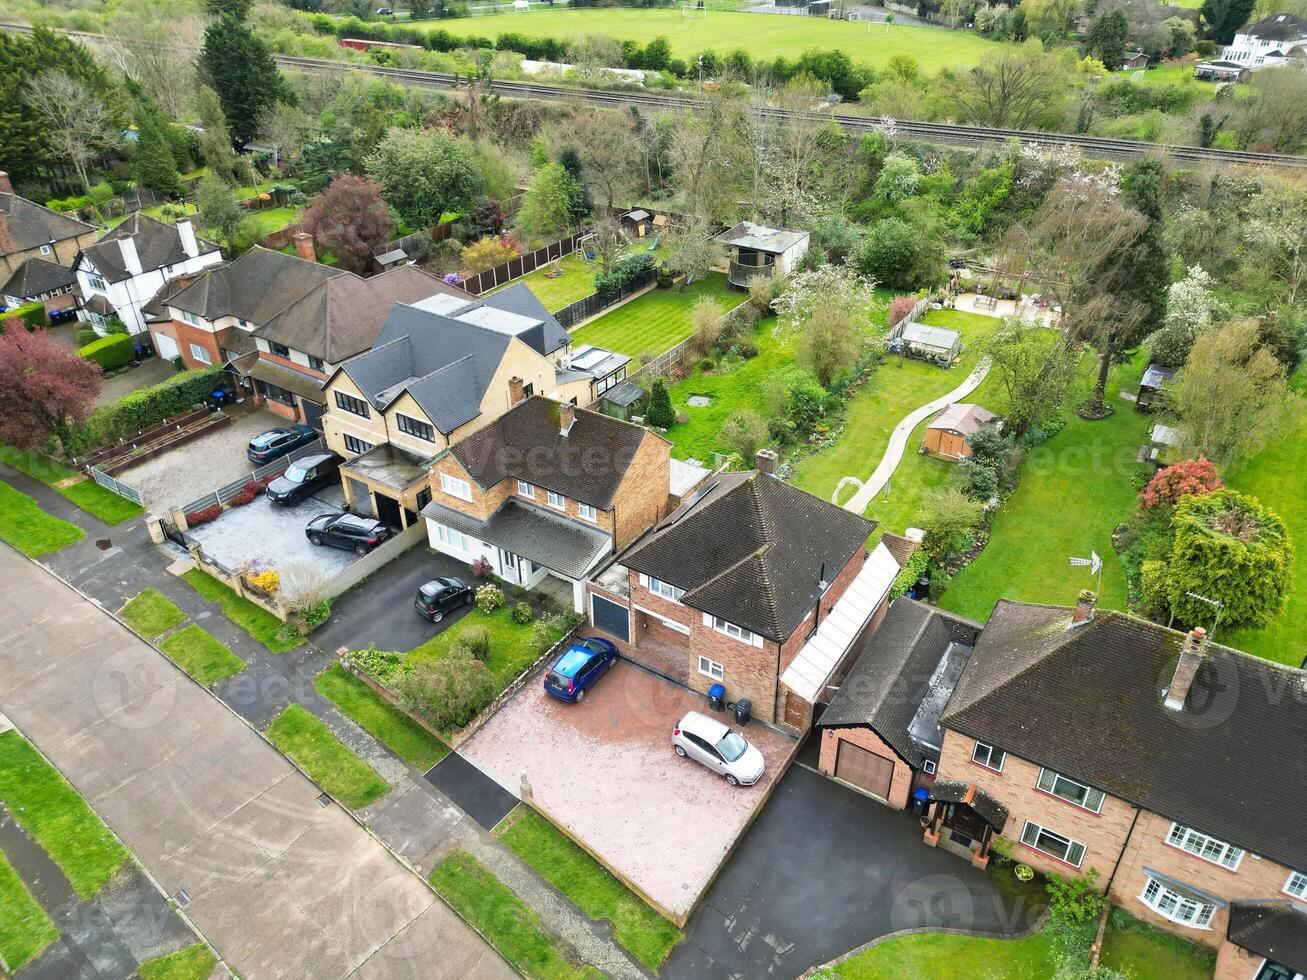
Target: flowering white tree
835 313
1191 308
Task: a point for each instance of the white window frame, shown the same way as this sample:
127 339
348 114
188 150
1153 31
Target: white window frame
988 761
665 589
928 766
454 538
1200 845
726 627
46 250
556 500
1174 906
1071 843
1055 783
586 512
201 354
527 490
190 318
96 282
455 487
711 668
1296 885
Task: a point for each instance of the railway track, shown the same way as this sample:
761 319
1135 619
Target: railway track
948 133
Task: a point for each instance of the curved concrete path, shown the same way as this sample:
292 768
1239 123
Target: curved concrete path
898 440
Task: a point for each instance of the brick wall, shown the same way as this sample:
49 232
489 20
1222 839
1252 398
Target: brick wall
642 499
837 589
187 334
900 783
1236 963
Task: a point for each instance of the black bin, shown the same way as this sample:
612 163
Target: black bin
743 711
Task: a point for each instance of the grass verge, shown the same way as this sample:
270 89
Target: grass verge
105 505
25 929
202 655
384 722
326 758
637 927
192 963
254 620
511 649
947 957
514 929
30 529
57 817
152 613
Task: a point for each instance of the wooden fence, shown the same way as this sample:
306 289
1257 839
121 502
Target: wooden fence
523 265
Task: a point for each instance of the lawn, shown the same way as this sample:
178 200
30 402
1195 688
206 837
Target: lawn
30 529
384 722
192 963
642 931
88 495
56 816
152 613
335 768
763 36
255 620
25 929
948 957
265 222
1145 953
511 926
656 321
511 649
576 282
1074 490
202 655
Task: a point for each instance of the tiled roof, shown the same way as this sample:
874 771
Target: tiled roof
255 287
37 276
270 372
961 417
1276 930
1278 27
551 540
157 244
28 225
751 549
900 547
956 791
1087 701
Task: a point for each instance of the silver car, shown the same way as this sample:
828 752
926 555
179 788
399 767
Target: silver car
710 743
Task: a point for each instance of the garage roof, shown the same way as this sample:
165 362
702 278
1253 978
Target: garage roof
557 543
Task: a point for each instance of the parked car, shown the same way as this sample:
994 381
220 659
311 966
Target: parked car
442 595
579 668
275 443
349 531
303 478
720 748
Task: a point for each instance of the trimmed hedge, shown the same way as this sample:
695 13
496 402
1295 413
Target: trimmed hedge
144 408
33 314
623 274
111 352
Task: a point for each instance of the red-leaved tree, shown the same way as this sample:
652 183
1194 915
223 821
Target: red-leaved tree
1187 478
349 218
44 387
899 307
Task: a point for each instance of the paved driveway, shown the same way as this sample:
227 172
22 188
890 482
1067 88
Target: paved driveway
260 531
824 870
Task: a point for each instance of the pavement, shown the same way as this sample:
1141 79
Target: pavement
151 371
262 532
476 794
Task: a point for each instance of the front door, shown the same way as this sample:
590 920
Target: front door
870 771
508 562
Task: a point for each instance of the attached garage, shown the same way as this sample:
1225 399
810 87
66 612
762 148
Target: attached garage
165 345
611 617
864 769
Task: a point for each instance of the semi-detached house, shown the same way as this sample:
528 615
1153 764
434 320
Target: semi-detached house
30 231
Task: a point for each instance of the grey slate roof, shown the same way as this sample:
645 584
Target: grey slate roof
761 238
1087 702
1276 930
519 299
887 684
37 276
956 791
28 225
1278 27
750 549
558 543
157 244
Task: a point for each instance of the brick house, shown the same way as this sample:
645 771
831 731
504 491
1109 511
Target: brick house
751 583
547 489
30 231
53 285
1101 741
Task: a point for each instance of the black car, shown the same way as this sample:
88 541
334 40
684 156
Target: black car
349 531
441 595
275 443
303 478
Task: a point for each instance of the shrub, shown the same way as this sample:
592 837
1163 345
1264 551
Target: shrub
448 691
247 494
611 285
1074 905
951 519
481 568
203 516
1189 477
899 307
486 253
489 598
265 581
660 414
1154 586
144 408
111 352
477 640
745 431
909 573
317 614
84 337
33 314
522 613
979 482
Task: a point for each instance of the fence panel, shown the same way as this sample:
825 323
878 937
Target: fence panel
220 495
519 266
117 486
588 306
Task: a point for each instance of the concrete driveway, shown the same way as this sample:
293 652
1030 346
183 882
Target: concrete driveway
824 870
261 531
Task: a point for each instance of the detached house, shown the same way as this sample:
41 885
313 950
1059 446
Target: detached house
30 231
1275 40
546 489
53 285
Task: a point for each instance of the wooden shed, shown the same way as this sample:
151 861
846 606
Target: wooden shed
946 434
636 222
1155 376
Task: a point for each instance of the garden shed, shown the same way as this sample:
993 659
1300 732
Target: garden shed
939 344
1150 385
756 250
636 222
623 401
947 433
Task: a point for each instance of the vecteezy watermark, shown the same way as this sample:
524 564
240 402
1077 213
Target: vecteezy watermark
134 689
940 901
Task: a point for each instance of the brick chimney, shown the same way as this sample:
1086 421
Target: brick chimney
1084 610
766 460
131 260
6 185
1186 668
304 246
516 391
566 418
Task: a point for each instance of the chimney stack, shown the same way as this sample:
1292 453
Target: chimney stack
566 418
516 391
7 242
304 246
186 231
6 185
766 460
1084 610
1186 668
131 261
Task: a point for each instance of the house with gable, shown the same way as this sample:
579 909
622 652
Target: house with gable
1274 40
30 231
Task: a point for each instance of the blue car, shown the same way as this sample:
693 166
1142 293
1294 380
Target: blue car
577 670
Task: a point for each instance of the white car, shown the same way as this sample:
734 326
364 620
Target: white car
710 743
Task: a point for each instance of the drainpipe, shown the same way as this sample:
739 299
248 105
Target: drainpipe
1097 949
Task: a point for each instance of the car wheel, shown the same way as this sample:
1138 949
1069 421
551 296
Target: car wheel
437 616
730 778
679 751
360 549
467 599
316 538
580 695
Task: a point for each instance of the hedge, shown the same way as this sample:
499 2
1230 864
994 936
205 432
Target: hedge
623 274
111 352
33 314
143 408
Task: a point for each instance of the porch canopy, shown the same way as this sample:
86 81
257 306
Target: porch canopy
387 465
985 806
556 543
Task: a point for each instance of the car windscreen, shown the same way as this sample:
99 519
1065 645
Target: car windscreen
732 746
296 473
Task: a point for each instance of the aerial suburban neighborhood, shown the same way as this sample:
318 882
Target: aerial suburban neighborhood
702 490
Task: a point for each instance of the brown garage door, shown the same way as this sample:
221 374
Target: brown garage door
856 765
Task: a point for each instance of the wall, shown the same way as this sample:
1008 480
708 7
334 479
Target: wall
642 498
337 423
1235 963
900 783
186 334
373 560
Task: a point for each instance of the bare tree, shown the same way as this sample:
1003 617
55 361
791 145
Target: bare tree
710 153
609 241
153 43
786 179
81 126
283 127
609 149
1012 87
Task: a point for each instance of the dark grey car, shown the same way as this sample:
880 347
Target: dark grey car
303 478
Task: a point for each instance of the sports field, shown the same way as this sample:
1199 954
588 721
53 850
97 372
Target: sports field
763 36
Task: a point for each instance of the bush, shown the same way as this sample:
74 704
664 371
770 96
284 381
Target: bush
951 519
979 482
486 253
84 337
477 640
489 598
611 285
33 314
659 413
1074 905
1189 477
247 494
481 568
522 613
265 581
1154 586
449 691
144 408
203 516
899 307
745 431
111 352
317 614
909 573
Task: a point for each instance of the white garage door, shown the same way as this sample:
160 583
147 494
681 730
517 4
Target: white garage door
164 346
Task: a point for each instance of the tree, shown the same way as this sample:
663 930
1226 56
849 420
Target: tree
80 123
1107 37
710 152
1034 366
239 67
284 127
1145 276
692 251
153 42
660 414
744 431
579 205
45 388
486 253
424 174
1230 397
1275 118
834 310
1191 308
1223 18
901 255
155 166
1011 88
1275 240
547 207
215 141
350 219
899 307
1231 549
609 148
608 241
1183 479
221 215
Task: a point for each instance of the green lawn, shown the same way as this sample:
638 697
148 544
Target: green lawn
30 529
763 37
903 503
202 655
657 321
1145 953
255 620
642 931
58 819
265 222
511 650
326 758
514 929
947 957
25 929
192 963
152 613
100 503
576 282
1074 490
387 724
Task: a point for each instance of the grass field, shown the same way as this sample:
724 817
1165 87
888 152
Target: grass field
642 931
192 963
57 817
330 762
657 321
100 503
255 620
202 655
387 724
30 529
152 613
25 929
763 36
